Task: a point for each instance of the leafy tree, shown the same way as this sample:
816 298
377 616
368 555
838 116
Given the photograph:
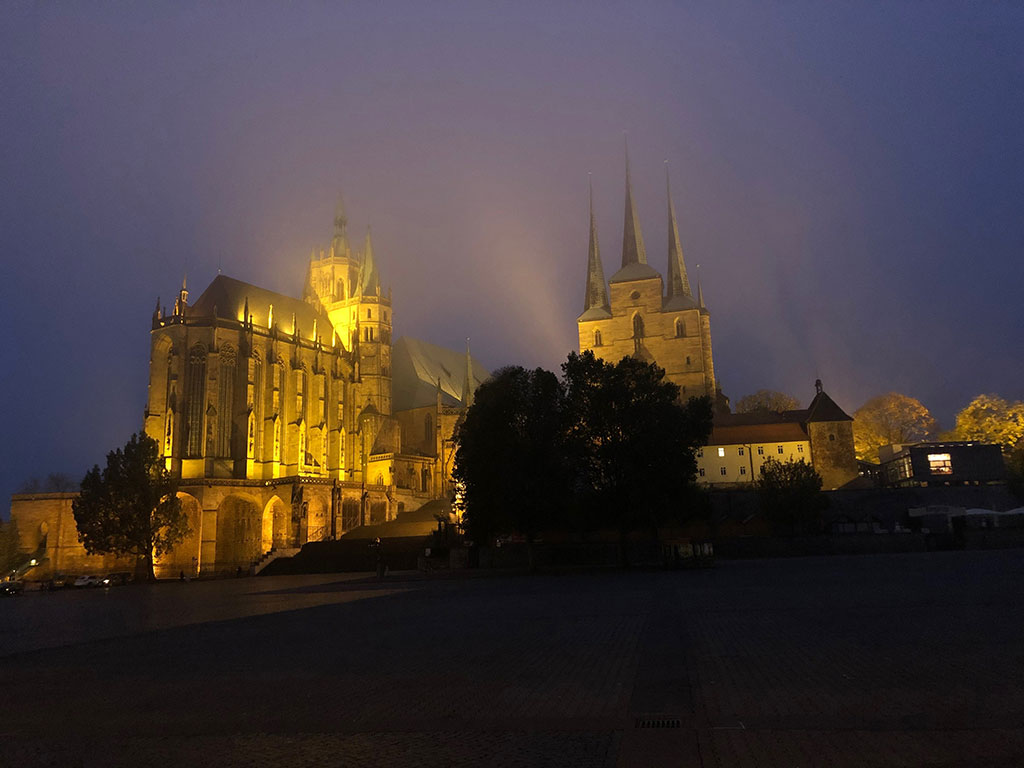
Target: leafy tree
131 507
887 419
767 400
632 444
991 419
55 482
790 496
11 557
511 456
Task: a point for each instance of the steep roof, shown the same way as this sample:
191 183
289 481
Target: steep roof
824 408
595 302
416 367
226 297
738 434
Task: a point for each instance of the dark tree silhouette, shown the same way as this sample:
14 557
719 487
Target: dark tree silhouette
131 506
632 444
511 458
791 497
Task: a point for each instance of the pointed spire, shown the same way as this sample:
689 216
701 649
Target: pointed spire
467 385
339 243
700 296
369 279
678 280
633 251
245 312
597 291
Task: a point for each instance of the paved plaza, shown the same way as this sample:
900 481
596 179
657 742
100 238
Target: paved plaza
896 660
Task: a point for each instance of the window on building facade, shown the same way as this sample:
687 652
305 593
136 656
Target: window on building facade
196 406
597 338
700 471
680 328
760 450
721 471
225 401
700 453
721 452
800 448
743 470
369 314
687 359
780 449
940 463
638 327
340 294
741 450
831 438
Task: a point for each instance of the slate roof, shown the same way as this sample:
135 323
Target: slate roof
226 298
778 432
416 366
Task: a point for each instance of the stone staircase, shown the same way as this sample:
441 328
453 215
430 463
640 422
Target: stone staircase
271 555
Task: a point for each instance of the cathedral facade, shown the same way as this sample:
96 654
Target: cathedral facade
275 415
638 313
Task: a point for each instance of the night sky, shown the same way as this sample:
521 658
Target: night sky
848 176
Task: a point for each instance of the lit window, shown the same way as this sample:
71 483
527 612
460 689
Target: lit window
940 463
800 448
722 471
701 471
760 450
721 452
743 470
780 449
741 450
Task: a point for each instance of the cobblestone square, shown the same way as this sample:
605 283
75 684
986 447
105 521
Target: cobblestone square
905 660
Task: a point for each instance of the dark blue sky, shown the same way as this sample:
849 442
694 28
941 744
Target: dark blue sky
849 176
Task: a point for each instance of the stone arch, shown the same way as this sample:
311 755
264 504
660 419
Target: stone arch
638 326
316 520
239 533
185 555
680 327
277 519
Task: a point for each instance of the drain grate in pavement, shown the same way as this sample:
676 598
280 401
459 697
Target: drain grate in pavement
658 722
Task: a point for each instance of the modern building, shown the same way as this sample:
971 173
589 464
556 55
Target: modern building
941 463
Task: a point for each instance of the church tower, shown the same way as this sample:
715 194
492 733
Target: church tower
347 286
637 314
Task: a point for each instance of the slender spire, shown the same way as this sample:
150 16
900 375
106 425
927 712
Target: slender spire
339 243
597 291
467 385
633 251
369 279
678 280
700 296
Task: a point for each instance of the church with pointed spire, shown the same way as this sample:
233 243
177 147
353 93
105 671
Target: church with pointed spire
639 313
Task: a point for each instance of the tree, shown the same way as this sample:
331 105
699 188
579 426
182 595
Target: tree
767 400
511 456
790 496
991 419
888 419
632 444
11 556
131 507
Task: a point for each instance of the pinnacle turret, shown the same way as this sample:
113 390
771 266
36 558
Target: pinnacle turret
467 385
339 243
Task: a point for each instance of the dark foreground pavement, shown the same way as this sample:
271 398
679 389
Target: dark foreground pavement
909 660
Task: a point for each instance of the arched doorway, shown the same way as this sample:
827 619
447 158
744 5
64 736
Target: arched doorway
277 519
184 558
316 520
239 533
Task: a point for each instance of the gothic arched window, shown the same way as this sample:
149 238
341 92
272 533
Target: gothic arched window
196 406
680 328
225 400
340 292
597 338
638 326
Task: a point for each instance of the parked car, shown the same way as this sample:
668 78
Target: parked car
12 587
87 581
116 579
